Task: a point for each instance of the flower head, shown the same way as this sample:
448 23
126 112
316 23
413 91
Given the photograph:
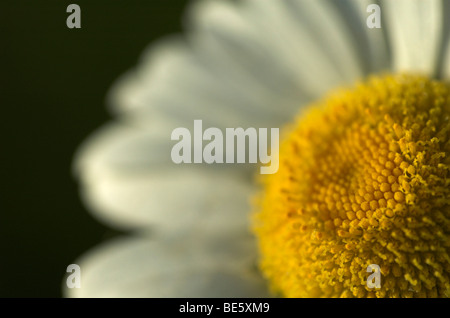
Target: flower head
364 179
363 176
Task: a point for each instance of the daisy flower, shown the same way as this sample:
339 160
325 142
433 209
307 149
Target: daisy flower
363 174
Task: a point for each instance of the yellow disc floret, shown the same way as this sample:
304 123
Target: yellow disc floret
363 179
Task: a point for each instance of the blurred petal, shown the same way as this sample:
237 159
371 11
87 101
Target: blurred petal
415 29
129 181
125 148
372 43
177 267
445 52
250 64
286 46
174 82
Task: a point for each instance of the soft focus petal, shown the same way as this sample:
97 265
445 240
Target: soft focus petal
124 147
445 52
179 267
176 83
130 182
415 30
250 64
373 46
282 45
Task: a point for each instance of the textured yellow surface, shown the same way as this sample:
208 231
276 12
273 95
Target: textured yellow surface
363 179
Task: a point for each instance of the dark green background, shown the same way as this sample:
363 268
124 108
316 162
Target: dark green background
52 96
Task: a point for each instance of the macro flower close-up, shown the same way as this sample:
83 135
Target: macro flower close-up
360 92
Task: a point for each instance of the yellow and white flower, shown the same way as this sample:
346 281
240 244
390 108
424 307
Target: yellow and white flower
257 63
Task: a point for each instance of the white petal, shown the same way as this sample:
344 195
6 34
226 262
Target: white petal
129 181
124 147
226 38
445 69
303 44
173 81
177 267
372 43
182 201
415 30
321 33
252 64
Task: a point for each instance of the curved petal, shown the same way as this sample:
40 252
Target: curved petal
129 181
372 43
415 29
173 81
124 147
302 46
249 64
175 267
445 52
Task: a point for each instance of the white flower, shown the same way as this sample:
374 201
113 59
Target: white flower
252 63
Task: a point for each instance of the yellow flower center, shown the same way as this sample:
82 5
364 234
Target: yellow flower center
363 179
